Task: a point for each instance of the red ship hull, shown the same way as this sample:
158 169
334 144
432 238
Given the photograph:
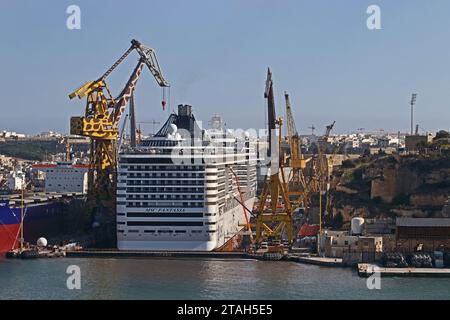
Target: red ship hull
9 235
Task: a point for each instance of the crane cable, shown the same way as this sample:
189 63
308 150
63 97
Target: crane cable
165 99
242 199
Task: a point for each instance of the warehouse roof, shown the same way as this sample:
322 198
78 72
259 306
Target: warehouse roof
423 222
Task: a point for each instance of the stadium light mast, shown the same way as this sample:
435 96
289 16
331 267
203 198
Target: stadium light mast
412 103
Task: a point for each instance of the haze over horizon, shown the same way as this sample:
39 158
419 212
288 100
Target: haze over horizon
215 55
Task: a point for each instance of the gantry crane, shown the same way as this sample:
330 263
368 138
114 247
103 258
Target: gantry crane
100 122
296 186
274 221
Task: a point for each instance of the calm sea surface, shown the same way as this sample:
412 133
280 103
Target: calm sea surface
201 279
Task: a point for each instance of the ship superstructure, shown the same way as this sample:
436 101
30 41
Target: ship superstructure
177 190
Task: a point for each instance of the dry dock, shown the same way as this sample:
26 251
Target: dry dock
366 270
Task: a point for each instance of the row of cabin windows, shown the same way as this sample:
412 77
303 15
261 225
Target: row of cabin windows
162 190
65 178
155 204
163 182
163 168
165 175
167 231
166 197
65 171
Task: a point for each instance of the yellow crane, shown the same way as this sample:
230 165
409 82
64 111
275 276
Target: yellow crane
297 186
319 162
320 173
100 123
276 220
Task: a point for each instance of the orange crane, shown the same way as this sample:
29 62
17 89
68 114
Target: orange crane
100 123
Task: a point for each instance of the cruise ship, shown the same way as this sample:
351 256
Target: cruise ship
179 189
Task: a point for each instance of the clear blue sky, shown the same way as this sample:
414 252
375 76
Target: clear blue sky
215 55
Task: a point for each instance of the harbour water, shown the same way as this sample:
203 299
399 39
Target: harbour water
201 279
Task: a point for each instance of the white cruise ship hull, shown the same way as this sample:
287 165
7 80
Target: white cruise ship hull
233 220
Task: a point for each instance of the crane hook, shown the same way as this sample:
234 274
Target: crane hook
163 102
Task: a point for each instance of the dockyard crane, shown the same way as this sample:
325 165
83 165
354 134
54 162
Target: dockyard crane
100 123
68 153
275 220
320 172
323 145
297 186
319 161
152 122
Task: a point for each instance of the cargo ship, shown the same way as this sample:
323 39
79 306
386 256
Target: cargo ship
182 188
43 216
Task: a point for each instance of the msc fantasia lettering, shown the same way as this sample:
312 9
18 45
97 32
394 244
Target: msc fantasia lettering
165 210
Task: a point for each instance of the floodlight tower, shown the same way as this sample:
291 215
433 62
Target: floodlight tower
412 103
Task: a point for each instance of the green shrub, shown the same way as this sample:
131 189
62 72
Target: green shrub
358 174
30 150
401 200
347 164
377 200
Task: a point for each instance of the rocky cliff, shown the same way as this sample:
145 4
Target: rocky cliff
390 186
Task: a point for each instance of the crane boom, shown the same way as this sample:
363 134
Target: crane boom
147 54
268 94
294 139
324 139
271 222
297 187
320 162
149 57
119 61
292 130
125 95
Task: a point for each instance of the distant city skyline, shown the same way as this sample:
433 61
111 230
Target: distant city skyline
215 55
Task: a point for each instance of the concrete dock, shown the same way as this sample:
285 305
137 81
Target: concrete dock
366 270
113 253
319 261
